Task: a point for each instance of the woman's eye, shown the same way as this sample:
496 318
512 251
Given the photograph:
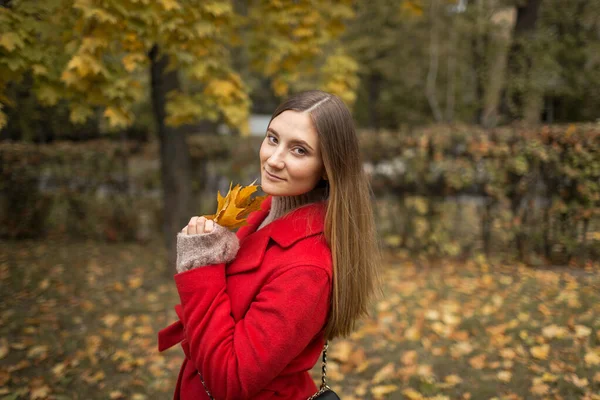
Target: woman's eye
300 151
272 139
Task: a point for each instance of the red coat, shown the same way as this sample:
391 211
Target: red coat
255 326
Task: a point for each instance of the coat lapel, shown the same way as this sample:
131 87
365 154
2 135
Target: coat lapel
252 243
305 221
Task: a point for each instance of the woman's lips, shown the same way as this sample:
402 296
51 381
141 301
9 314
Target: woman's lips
273 177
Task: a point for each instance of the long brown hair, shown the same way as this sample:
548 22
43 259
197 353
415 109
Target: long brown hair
349 223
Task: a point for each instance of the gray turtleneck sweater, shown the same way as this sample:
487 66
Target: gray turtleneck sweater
281 205
221 245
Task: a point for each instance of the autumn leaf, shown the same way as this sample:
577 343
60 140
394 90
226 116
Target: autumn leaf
540 389
579 382
582 331
540 352
410 394
504 376
382 390
384 373
38 352
452 380
41 392
478 362
234 208
592 358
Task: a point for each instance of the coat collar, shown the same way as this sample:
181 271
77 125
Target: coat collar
302 222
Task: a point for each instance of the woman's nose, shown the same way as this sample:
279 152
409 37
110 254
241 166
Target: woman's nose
276 160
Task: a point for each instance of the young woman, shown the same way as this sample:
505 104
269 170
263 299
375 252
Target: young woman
257 306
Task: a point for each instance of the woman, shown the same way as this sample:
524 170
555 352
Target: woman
258 305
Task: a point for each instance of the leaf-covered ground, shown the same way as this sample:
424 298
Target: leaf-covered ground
79 321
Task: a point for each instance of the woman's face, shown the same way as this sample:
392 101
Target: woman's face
290 158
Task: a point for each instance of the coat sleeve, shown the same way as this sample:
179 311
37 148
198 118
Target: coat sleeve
237 360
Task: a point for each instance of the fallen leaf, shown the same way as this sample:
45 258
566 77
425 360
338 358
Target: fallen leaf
110 319
582 331
504 376
412 333
59 368
540 352
409 357
548 377
116 394
38 352
411 394
540 389
592 358
18 366
134 283
453 380
387 372
508 353
40 392
478 362
382 390
579 382
555 331
341 351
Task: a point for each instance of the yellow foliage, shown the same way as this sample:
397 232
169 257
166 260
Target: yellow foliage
80 113
10 41
39 69
220 88
170 5
280 87
117 118
132 61
412 8
48 95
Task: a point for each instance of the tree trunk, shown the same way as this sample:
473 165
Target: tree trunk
431 84
519 63
175 163
505 21
451 86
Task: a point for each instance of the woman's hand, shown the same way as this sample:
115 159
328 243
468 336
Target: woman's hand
204 242
198 225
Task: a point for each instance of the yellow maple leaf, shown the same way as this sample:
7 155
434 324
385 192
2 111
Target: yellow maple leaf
234 208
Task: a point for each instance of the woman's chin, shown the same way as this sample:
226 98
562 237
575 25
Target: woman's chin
268 188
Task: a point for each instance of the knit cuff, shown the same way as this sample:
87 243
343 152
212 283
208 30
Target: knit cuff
216 247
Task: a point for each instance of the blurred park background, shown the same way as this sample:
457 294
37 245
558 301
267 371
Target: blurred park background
480 129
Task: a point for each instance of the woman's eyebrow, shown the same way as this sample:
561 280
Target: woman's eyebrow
294 141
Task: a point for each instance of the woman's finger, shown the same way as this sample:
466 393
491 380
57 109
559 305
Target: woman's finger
200 224
191 228
208 226
184 230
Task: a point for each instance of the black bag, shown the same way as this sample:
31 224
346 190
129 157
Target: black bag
324 393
